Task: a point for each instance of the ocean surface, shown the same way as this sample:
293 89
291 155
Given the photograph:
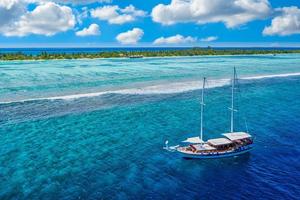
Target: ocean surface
95 129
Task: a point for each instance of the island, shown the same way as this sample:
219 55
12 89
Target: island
144 53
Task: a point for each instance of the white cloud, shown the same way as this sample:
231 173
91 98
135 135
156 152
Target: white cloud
93 29
176 39
287 23
8 4
117 15
209 39
131 36
46 19
74 2
10 10
231 12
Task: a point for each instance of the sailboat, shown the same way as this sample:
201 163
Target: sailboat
232 144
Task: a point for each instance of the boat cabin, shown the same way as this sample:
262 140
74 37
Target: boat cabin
200 148
221 143
239 138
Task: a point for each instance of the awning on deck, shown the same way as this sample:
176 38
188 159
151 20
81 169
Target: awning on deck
193 140
237 136
219 141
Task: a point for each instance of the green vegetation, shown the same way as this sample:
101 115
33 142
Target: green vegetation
147 53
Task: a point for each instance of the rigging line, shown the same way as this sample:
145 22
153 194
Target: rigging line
241 98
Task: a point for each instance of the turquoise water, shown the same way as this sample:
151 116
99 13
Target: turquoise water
94 129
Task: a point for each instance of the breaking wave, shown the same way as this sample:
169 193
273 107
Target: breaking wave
271 76
167 88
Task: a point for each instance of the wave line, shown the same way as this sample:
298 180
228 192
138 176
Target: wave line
170 88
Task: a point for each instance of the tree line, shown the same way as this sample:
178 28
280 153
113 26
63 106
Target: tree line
143 53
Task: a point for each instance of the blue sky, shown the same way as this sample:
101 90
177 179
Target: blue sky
104 23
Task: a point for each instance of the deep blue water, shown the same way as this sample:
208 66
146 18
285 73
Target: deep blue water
109 146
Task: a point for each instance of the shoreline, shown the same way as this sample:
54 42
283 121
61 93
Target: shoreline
147 57
140 54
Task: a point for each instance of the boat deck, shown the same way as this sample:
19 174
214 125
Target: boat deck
208 149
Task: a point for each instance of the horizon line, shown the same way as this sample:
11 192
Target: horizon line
147 45
141 47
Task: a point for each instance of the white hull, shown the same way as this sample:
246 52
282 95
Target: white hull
216 155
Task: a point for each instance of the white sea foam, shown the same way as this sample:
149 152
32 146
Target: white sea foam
271 76
166 88
170 88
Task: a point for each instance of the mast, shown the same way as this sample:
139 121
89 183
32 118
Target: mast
232 101
202 109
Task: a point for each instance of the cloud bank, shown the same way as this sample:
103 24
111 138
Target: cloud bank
46 19
176 39
287 23
131 36
93 29
232 13
209 39
117 15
